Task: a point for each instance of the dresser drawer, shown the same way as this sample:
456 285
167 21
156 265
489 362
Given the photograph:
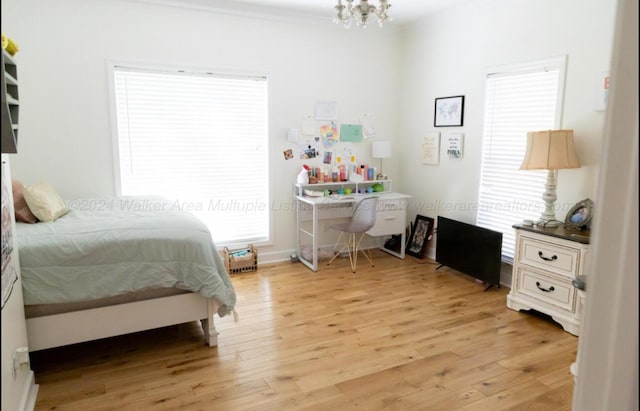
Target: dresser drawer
549 289
388 222
548 256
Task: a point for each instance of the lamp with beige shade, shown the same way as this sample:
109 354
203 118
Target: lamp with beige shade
550 150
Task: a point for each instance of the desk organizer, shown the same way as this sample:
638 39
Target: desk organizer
241 260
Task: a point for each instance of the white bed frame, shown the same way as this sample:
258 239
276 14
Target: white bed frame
92 324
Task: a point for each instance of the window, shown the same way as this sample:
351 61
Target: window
518 99
200 140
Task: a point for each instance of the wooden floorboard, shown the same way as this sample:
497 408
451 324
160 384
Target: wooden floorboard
397 336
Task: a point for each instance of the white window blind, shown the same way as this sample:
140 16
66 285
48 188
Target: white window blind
518 100
199 139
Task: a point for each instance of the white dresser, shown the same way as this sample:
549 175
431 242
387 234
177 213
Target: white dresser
545 263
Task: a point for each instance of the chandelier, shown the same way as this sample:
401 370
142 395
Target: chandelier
360 13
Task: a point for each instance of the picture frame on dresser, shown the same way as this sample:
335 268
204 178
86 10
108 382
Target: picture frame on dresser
580 215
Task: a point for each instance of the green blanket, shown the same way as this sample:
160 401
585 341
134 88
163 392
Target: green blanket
108 247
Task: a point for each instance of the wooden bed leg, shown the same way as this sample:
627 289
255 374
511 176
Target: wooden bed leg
208 325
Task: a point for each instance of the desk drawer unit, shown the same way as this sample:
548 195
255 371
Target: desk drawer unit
390 217
388 222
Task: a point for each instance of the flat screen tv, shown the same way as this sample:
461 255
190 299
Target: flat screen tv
472 250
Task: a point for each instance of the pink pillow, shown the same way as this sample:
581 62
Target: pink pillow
22 210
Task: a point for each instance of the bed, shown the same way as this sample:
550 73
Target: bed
115 266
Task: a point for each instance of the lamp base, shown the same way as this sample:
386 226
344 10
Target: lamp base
548 217
381 176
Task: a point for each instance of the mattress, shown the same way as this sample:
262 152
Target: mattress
110 247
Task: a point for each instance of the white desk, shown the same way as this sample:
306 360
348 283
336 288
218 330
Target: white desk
391 218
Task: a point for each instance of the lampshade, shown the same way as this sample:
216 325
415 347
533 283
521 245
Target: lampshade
550 150
381 149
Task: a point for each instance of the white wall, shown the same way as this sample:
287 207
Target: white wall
65 134
448 53
65 129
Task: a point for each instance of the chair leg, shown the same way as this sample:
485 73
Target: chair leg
353 251
337 241
352 246
335 246
365 252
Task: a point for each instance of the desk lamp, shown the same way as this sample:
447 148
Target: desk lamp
381 149
550 150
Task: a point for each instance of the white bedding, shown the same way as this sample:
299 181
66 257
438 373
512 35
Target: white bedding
107 247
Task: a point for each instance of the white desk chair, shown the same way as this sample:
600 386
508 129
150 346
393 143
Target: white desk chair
362 219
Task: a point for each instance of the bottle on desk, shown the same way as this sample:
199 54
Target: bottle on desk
371 173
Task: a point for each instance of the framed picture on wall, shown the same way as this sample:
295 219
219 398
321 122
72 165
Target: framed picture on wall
431 148
449 111
420 236
455 145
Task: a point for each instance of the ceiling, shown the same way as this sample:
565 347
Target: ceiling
402 11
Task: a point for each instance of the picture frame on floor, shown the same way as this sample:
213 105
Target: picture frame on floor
421 233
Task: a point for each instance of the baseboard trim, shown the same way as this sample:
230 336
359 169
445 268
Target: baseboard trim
274 257
29 393
280 256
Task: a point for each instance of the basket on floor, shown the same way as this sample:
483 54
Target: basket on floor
241 260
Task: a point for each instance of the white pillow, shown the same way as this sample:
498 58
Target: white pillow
44 202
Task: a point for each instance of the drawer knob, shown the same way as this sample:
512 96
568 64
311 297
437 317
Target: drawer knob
546 290
553 257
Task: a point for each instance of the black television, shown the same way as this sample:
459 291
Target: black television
472 250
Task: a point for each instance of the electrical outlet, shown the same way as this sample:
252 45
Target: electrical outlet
20 361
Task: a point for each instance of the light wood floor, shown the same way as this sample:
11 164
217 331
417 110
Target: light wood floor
399 336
